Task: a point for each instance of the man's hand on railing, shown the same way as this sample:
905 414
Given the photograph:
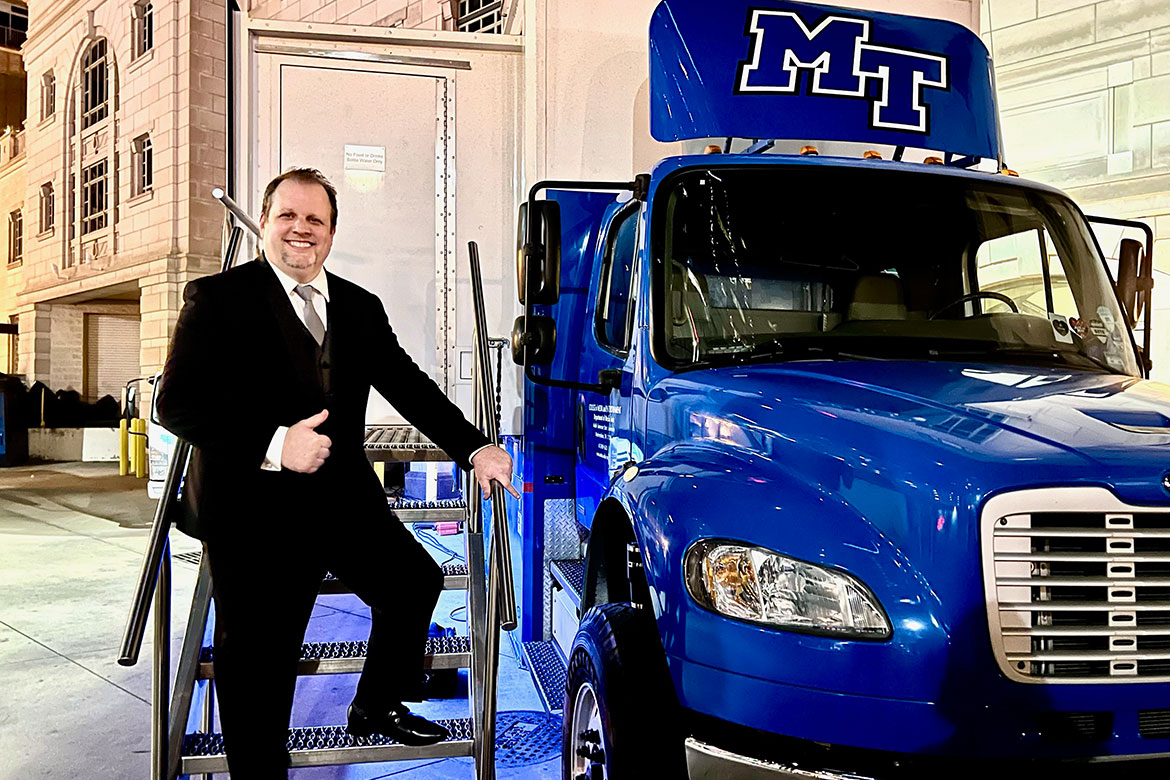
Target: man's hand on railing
493 463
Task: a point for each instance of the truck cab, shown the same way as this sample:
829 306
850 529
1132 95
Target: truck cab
868 472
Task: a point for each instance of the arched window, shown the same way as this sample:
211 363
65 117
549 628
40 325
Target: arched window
143 27
95 95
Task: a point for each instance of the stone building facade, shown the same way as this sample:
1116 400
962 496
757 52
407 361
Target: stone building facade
1084 91
124 142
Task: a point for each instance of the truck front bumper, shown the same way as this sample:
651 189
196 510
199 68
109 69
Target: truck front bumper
707 762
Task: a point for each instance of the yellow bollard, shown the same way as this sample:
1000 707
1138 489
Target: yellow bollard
123 447
140 448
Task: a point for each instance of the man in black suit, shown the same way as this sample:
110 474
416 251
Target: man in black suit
269 371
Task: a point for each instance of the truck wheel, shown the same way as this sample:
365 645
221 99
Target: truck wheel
621 715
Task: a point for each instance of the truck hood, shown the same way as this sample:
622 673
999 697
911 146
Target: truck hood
986 425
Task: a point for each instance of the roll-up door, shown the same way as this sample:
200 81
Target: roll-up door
111 354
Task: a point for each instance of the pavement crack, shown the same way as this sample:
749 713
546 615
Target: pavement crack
75 663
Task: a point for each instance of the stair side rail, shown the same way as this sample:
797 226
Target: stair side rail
154 576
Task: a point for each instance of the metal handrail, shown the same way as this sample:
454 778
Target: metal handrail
237 210
154 578
501 595
501 546
155 551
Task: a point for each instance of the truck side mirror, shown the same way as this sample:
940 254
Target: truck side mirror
538 252
1128 262
534 341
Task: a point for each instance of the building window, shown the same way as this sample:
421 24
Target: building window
48 95
48 207
142 165
95 95
13 25
143 27
481 16
15 237
94 197
14 344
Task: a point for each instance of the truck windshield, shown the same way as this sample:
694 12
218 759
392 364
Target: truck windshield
771 263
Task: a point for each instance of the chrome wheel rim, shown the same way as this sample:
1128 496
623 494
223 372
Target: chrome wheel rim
586 746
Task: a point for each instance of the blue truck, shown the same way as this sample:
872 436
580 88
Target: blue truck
859 450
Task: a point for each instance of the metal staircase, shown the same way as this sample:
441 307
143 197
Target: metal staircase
490 606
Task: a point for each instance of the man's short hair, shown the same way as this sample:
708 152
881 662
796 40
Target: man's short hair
303 176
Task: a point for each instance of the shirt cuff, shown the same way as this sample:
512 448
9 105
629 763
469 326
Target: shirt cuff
481 449
275 447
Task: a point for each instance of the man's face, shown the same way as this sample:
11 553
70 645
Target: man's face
298 230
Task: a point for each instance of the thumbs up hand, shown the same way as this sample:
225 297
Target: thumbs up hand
304 449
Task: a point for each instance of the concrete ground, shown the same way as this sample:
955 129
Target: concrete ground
72 536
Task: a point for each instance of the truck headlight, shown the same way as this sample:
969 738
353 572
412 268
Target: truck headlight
758 585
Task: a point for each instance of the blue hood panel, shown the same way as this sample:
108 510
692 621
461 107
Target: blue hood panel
760 69
989 426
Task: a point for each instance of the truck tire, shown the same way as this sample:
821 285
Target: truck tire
621 716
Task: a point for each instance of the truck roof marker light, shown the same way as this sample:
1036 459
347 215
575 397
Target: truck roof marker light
871 154
713 149
932 160
809 149
1009 172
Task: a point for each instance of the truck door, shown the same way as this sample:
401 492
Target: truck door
602 443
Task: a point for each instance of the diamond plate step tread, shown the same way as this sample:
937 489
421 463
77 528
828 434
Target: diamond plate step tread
400 443
548 673
328 746
444 510
454 578
443 652
571 575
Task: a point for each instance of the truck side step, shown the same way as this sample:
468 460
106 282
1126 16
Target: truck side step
327 746
571 576
548 671
444 510
442 652
454 578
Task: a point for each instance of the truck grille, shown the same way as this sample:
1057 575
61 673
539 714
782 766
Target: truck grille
1077 586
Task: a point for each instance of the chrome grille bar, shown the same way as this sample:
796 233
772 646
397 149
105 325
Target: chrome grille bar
1077 585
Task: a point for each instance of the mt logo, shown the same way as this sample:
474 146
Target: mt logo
838 59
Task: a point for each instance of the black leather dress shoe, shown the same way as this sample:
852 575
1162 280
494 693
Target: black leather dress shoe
398 723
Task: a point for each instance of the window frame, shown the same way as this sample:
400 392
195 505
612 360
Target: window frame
141 165
93 221
95 77
142 27
47 207
631 211
48 95
15 237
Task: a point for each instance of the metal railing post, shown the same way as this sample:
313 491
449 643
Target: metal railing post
160 674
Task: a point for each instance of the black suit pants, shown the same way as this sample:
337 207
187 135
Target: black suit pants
265 586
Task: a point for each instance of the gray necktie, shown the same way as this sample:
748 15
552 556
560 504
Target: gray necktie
312 321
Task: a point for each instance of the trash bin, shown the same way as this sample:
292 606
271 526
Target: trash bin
13 426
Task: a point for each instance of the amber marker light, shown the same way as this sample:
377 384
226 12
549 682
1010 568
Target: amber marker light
933 160
871 154
712 149
1009 172
809 149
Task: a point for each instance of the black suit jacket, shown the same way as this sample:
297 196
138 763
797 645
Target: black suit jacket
241 364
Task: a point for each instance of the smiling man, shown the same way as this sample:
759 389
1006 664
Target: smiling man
269 371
